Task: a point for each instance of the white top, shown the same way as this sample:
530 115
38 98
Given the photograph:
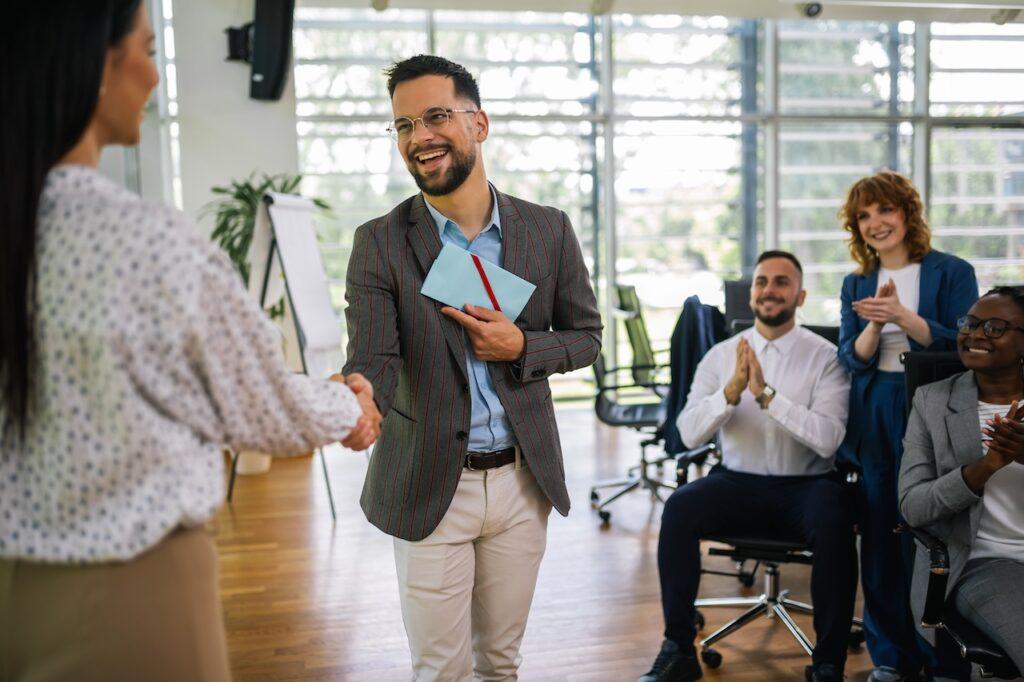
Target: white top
805 422
150 357
1001 531
894 341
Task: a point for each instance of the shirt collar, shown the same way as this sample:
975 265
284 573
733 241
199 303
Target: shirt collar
783 344
441 220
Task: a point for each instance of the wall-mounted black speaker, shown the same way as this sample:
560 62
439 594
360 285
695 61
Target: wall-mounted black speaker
266 43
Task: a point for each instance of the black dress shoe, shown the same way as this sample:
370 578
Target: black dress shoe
673 665
823 672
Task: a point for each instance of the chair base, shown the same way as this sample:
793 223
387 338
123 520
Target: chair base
772 603
636 477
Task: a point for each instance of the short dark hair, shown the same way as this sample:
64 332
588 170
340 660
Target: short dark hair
430 65
766 255
1015 294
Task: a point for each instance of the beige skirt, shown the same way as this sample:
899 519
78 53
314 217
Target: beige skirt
156 617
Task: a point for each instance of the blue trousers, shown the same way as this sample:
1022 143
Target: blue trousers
886 558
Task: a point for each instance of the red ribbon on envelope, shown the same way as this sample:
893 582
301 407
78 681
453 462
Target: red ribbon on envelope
487 282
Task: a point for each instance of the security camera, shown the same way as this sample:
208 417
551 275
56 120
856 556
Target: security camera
811 10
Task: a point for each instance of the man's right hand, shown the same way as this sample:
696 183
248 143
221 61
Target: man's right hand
367 429
740 377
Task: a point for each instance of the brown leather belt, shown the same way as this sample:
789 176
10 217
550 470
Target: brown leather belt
479 461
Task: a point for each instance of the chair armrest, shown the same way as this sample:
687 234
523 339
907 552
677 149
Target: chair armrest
696 456
938 574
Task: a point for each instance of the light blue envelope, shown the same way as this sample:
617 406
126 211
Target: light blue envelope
454 280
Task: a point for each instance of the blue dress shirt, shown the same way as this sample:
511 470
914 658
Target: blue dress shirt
489 428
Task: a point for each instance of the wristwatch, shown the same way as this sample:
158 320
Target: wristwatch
766 397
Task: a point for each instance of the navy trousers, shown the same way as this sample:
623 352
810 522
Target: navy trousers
810 509
886 558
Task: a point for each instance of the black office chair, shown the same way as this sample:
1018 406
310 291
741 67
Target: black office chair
737 299
827 332
633 405
923 367
771 553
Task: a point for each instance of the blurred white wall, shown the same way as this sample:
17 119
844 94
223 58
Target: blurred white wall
224 134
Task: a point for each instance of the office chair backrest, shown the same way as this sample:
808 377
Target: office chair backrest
639 338
737 299
926 367
826 332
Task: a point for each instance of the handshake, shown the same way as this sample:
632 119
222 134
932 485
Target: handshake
367 429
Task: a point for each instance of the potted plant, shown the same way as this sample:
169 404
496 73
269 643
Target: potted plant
234 224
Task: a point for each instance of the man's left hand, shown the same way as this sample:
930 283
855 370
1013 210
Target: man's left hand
756 382
494 337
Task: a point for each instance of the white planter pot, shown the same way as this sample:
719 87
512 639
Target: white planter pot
251 462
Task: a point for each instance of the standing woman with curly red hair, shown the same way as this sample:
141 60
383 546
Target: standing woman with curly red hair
903 296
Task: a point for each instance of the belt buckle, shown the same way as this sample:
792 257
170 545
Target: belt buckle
469 459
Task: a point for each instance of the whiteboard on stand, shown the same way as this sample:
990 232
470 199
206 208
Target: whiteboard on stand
285 260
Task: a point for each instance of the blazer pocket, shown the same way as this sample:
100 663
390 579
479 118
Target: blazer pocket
401 414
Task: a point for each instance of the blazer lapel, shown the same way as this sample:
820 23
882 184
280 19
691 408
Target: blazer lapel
515 237
426 245
962 419
928 291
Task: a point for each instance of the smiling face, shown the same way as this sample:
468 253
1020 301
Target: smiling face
985 355
882 226
441 157
776 291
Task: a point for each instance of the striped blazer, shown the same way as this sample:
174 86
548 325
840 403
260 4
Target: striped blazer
416 357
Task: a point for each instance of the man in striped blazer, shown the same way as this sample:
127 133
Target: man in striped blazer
468 465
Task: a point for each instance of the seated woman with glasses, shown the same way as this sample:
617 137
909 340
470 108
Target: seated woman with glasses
963 471
904 296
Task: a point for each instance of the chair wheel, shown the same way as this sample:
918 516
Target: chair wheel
605 516
746 579
698 620
856 638
711 658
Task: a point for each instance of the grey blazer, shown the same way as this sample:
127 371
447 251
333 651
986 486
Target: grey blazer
416 357
943 435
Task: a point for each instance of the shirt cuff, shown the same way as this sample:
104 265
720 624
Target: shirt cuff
721 406
779 407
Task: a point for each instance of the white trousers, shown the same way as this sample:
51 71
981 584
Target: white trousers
466 588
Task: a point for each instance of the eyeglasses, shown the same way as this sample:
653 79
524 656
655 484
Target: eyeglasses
993 327
434 117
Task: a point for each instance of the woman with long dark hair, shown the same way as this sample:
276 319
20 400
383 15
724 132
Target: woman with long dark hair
129 354
904 296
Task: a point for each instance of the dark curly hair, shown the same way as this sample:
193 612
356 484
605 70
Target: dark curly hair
430 65
1015 294
886 188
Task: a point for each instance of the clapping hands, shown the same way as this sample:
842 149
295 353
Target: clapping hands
883 307
367 429
1006 434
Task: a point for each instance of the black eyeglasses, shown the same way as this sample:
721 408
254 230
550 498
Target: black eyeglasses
434 117
993 327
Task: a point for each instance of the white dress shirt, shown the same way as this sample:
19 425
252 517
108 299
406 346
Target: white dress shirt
799 432
150 356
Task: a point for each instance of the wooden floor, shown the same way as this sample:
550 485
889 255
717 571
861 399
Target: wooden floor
308 599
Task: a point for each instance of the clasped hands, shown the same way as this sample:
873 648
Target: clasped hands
493 336
748 374
882 308
367 429
1007 436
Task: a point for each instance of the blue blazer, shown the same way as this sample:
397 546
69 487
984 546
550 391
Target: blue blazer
948 290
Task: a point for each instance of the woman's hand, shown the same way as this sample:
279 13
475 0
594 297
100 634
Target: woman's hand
1006 436
882 308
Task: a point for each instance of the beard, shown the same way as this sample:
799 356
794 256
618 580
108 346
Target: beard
778 319
462 164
